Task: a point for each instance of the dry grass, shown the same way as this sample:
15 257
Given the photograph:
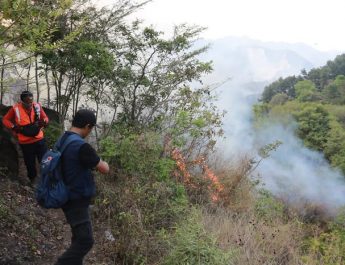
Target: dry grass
237 226
265 230
256 241
237 193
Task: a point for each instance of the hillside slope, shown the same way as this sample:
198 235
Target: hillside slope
31 235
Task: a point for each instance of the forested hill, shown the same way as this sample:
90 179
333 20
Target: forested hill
315 99
324 85
170 198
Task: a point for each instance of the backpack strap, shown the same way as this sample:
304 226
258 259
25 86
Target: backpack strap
71 138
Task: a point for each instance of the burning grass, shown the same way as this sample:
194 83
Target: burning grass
263 229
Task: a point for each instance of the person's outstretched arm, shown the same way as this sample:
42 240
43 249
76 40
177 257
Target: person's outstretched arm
102 167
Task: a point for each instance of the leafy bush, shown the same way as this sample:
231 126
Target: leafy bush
279 99
141 199
327 248
191 244
313 126
137 154
268 207
52 132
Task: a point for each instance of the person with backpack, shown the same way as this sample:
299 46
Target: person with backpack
27 119
78 159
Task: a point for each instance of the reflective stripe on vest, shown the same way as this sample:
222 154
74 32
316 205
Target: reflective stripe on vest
17 111
37 111
23 118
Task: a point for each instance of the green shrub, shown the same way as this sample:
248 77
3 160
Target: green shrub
313 126
267 207
142 199
136 154
192 245
327 248
52 132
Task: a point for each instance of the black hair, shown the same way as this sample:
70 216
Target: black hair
25 94
84 117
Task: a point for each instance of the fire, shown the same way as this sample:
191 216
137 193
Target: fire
216 187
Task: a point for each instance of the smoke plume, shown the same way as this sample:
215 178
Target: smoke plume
292 172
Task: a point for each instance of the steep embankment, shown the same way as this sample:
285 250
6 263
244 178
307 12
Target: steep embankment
28 233
31 235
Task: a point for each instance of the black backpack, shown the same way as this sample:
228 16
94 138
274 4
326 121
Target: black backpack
51 191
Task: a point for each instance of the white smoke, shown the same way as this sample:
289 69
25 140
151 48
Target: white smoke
292 172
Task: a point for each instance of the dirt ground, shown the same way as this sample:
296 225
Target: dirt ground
31 235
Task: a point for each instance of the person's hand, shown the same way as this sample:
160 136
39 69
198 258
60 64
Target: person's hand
16 128
41 123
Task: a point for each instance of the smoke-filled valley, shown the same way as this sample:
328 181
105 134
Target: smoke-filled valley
292 172
273 193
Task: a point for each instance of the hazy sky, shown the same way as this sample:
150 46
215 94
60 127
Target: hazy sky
317 23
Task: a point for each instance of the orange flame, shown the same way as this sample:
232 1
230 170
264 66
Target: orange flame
216 187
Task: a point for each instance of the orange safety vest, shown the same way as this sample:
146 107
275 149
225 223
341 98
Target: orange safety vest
23 118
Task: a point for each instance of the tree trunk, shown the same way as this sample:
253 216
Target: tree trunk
28 77
48 87
2 74
36 79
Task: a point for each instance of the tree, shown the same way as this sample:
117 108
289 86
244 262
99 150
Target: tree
319 76
335 146
313 126
337 66
26 29
334 93
150 85
28 26
79 61
153 71
85 64
282 85
279 99
305 90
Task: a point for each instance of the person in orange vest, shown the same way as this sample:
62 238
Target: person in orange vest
27 120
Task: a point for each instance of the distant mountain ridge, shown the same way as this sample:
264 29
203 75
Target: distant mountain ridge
247 60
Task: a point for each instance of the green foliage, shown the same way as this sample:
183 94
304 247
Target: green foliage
152 78
338 112
313 83
267 207
335 146
264 152
319 76
313 120
313 126
321 127
30 24
137 154
260 113
52 132
305 90
334 93
144 180
192 245
328 247
282 85
90 58
279 99
337 66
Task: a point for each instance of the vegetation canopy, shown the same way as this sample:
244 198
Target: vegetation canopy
170 198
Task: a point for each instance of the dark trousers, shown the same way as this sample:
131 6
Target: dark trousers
31 152
82 239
